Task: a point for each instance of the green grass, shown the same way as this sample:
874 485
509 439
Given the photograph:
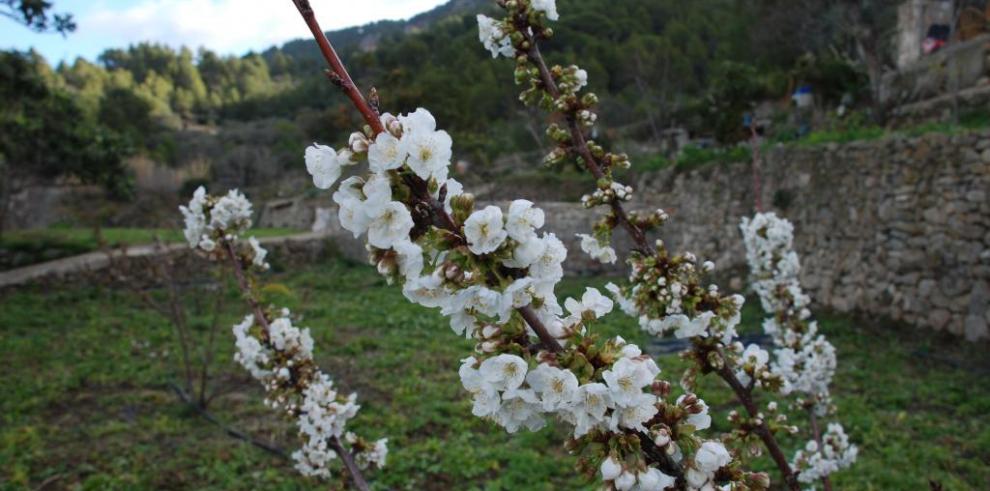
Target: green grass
23 247
84 404
844 131
694 157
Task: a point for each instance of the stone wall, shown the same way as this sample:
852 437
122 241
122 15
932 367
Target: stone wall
898 227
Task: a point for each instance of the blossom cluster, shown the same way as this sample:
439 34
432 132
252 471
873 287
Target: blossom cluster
804 359
598 249
275 351
494 37
280 356
817 461
211 221
482 268
666 294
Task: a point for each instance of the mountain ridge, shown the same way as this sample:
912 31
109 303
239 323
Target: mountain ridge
367 36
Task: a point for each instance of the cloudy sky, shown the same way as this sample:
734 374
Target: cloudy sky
226 26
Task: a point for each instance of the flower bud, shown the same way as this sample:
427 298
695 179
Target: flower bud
611 469
661 388
388 265
759 480
490 331
358 142
689 400
462 205
625 481
452 271
661 437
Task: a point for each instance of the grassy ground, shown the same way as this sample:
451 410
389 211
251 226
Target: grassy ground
84 402
23 247
841 131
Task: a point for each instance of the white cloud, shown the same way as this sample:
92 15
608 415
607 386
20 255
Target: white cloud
231 26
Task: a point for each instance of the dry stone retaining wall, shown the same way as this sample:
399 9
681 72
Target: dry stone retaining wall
898 227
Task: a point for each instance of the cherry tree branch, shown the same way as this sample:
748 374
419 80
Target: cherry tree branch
439 215
348 460
580 144
762 429
242 281
339 76
444 221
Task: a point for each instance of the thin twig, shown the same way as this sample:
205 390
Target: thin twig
240 435
178 315
757 177
346 83
580 144
218 307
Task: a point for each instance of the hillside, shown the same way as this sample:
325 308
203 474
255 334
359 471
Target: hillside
368 36
240 121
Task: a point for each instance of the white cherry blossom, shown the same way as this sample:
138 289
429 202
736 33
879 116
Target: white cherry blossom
523 220
386 153
390 225
324 164
556 388
484 230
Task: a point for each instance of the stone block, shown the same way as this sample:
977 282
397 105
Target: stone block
939 318
975 328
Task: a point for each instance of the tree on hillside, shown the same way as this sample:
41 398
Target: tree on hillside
44 135
37 16
861 30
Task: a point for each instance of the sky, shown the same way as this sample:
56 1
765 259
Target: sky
225 26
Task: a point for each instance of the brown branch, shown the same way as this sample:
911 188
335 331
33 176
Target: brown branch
218 306
580 144
348 460
240 435
546 339
244 284
343 80
659 456
762 430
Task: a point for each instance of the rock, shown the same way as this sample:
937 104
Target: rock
979 299
935 215
939 318
975 328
